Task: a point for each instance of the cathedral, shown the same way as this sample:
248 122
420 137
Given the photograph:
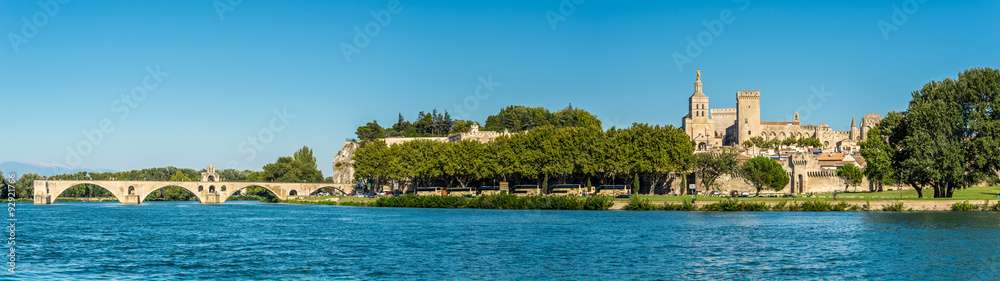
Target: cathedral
716 127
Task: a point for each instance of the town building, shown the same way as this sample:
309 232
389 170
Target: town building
716 127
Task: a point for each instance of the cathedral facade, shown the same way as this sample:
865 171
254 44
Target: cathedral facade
716 127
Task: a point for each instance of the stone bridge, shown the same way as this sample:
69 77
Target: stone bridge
134 192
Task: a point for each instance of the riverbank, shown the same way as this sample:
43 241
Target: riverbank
923 205
642 203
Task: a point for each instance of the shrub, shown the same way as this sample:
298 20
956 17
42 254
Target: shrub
964 207
894 207
994 207
412 201
500 201
293 201
358 203
636 204
597 203
781 206
840 207
815 206
735 205
683 206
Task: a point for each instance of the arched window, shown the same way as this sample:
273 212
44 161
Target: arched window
131 190
293 193
201 188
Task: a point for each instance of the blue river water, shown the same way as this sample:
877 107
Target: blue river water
241 241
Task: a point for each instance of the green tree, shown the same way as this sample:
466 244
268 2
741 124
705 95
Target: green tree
370 131
763 172
462 126
301 167
710 166
809 142
850 175
880 169
948 137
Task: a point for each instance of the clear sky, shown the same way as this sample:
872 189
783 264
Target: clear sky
186 83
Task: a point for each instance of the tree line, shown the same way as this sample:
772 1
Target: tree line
514 118
777 143
641 157
948 138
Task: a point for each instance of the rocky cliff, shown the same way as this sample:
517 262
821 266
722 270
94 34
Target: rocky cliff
343 164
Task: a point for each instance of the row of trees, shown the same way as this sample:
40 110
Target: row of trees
514 118
947 139
642 153
427 124
518 118
777 143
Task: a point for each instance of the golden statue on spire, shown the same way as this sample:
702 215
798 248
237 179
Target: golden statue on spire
699 74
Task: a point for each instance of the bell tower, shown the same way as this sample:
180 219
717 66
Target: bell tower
698 102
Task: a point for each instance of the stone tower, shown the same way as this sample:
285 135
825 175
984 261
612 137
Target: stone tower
747 115
697 124
855 134
698 104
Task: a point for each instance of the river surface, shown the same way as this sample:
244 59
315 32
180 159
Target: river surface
169 241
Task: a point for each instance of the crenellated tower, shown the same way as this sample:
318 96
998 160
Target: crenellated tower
747 114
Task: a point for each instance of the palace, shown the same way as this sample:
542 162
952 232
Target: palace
716 127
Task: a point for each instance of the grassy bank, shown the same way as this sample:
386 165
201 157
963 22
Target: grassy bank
734 204
972 193
504 201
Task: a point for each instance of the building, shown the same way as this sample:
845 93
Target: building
716 127
473 134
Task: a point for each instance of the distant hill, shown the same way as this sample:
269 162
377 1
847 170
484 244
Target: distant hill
43 169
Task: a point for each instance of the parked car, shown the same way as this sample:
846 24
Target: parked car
789 196
624 196
744 194
714 193
734 193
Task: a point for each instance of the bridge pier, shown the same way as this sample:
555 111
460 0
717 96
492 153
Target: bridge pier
43 199
131 199
211 198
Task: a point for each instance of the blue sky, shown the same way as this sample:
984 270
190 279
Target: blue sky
224 70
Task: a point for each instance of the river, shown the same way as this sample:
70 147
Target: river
249 240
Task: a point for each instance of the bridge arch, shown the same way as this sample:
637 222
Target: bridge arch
190 188
58 189
318 188
276 193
